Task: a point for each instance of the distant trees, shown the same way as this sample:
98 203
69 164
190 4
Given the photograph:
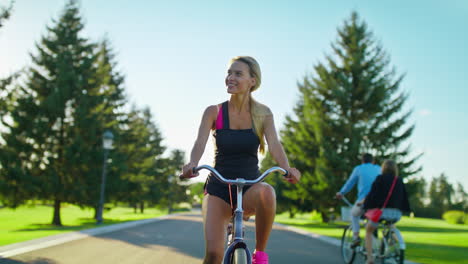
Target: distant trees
434 199
54 118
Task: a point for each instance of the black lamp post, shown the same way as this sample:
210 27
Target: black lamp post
107 139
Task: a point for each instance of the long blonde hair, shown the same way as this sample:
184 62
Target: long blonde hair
390 167
258 111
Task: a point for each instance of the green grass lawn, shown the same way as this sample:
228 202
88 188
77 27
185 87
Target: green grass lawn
429 241
28 222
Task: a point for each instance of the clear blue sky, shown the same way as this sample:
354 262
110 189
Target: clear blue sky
174 56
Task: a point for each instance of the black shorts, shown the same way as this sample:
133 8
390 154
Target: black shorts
222 191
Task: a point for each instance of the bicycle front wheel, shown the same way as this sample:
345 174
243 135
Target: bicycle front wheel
239 256
347 252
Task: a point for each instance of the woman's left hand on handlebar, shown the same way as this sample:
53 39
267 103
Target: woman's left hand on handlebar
294 175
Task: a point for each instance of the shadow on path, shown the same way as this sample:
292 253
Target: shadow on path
175 240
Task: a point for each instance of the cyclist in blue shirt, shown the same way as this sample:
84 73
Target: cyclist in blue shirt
364 175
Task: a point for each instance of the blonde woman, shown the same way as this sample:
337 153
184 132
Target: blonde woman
397 202
241 127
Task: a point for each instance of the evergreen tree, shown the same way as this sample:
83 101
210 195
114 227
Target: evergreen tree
43 124
287 198
174 192
142 148
416 189
441 193
11 193
350 105
460 199
5 13
99 109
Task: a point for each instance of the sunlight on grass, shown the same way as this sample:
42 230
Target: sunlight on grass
429 241
30 222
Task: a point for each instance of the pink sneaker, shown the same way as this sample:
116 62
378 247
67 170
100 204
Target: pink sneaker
260 257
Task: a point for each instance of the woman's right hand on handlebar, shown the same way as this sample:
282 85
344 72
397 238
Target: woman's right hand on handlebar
187 171
339 196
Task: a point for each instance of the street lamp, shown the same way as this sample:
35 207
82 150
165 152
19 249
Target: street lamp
107 139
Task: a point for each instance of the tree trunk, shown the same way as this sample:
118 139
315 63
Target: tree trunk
142 207
95 213
325 217
292 214
56 220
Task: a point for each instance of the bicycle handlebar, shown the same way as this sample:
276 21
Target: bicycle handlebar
239 180
346 201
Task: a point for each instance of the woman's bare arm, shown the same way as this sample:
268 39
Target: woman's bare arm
276 149
206 124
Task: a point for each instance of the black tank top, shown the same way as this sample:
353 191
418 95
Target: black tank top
235 151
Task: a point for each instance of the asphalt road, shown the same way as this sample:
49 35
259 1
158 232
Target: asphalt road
177 240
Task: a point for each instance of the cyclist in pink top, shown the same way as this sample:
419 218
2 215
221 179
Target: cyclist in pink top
240 127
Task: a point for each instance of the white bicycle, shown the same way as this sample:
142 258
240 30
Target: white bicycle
237 251
389 248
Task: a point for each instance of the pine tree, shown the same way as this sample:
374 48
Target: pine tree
460 199
350 105
441 193
142 150
99 109
416 189
174 192
287 197
12 194
44 121
5 13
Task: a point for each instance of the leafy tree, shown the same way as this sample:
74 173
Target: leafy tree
197 192
351 104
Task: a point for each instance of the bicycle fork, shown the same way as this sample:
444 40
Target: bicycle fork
237 219
236 232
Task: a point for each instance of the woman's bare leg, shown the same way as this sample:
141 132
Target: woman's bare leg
216 215
260 200
369 236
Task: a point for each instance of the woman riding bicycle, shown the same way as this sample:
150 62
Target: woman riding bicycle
397 202
240 127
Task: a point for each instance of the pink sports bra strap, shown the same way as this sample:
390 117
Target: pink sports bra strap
219 119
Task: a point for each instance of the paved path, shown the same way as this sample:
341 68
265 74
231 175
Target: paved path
176 239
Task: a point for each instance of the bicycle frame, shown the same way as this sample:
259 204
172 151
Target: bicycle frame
238 239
